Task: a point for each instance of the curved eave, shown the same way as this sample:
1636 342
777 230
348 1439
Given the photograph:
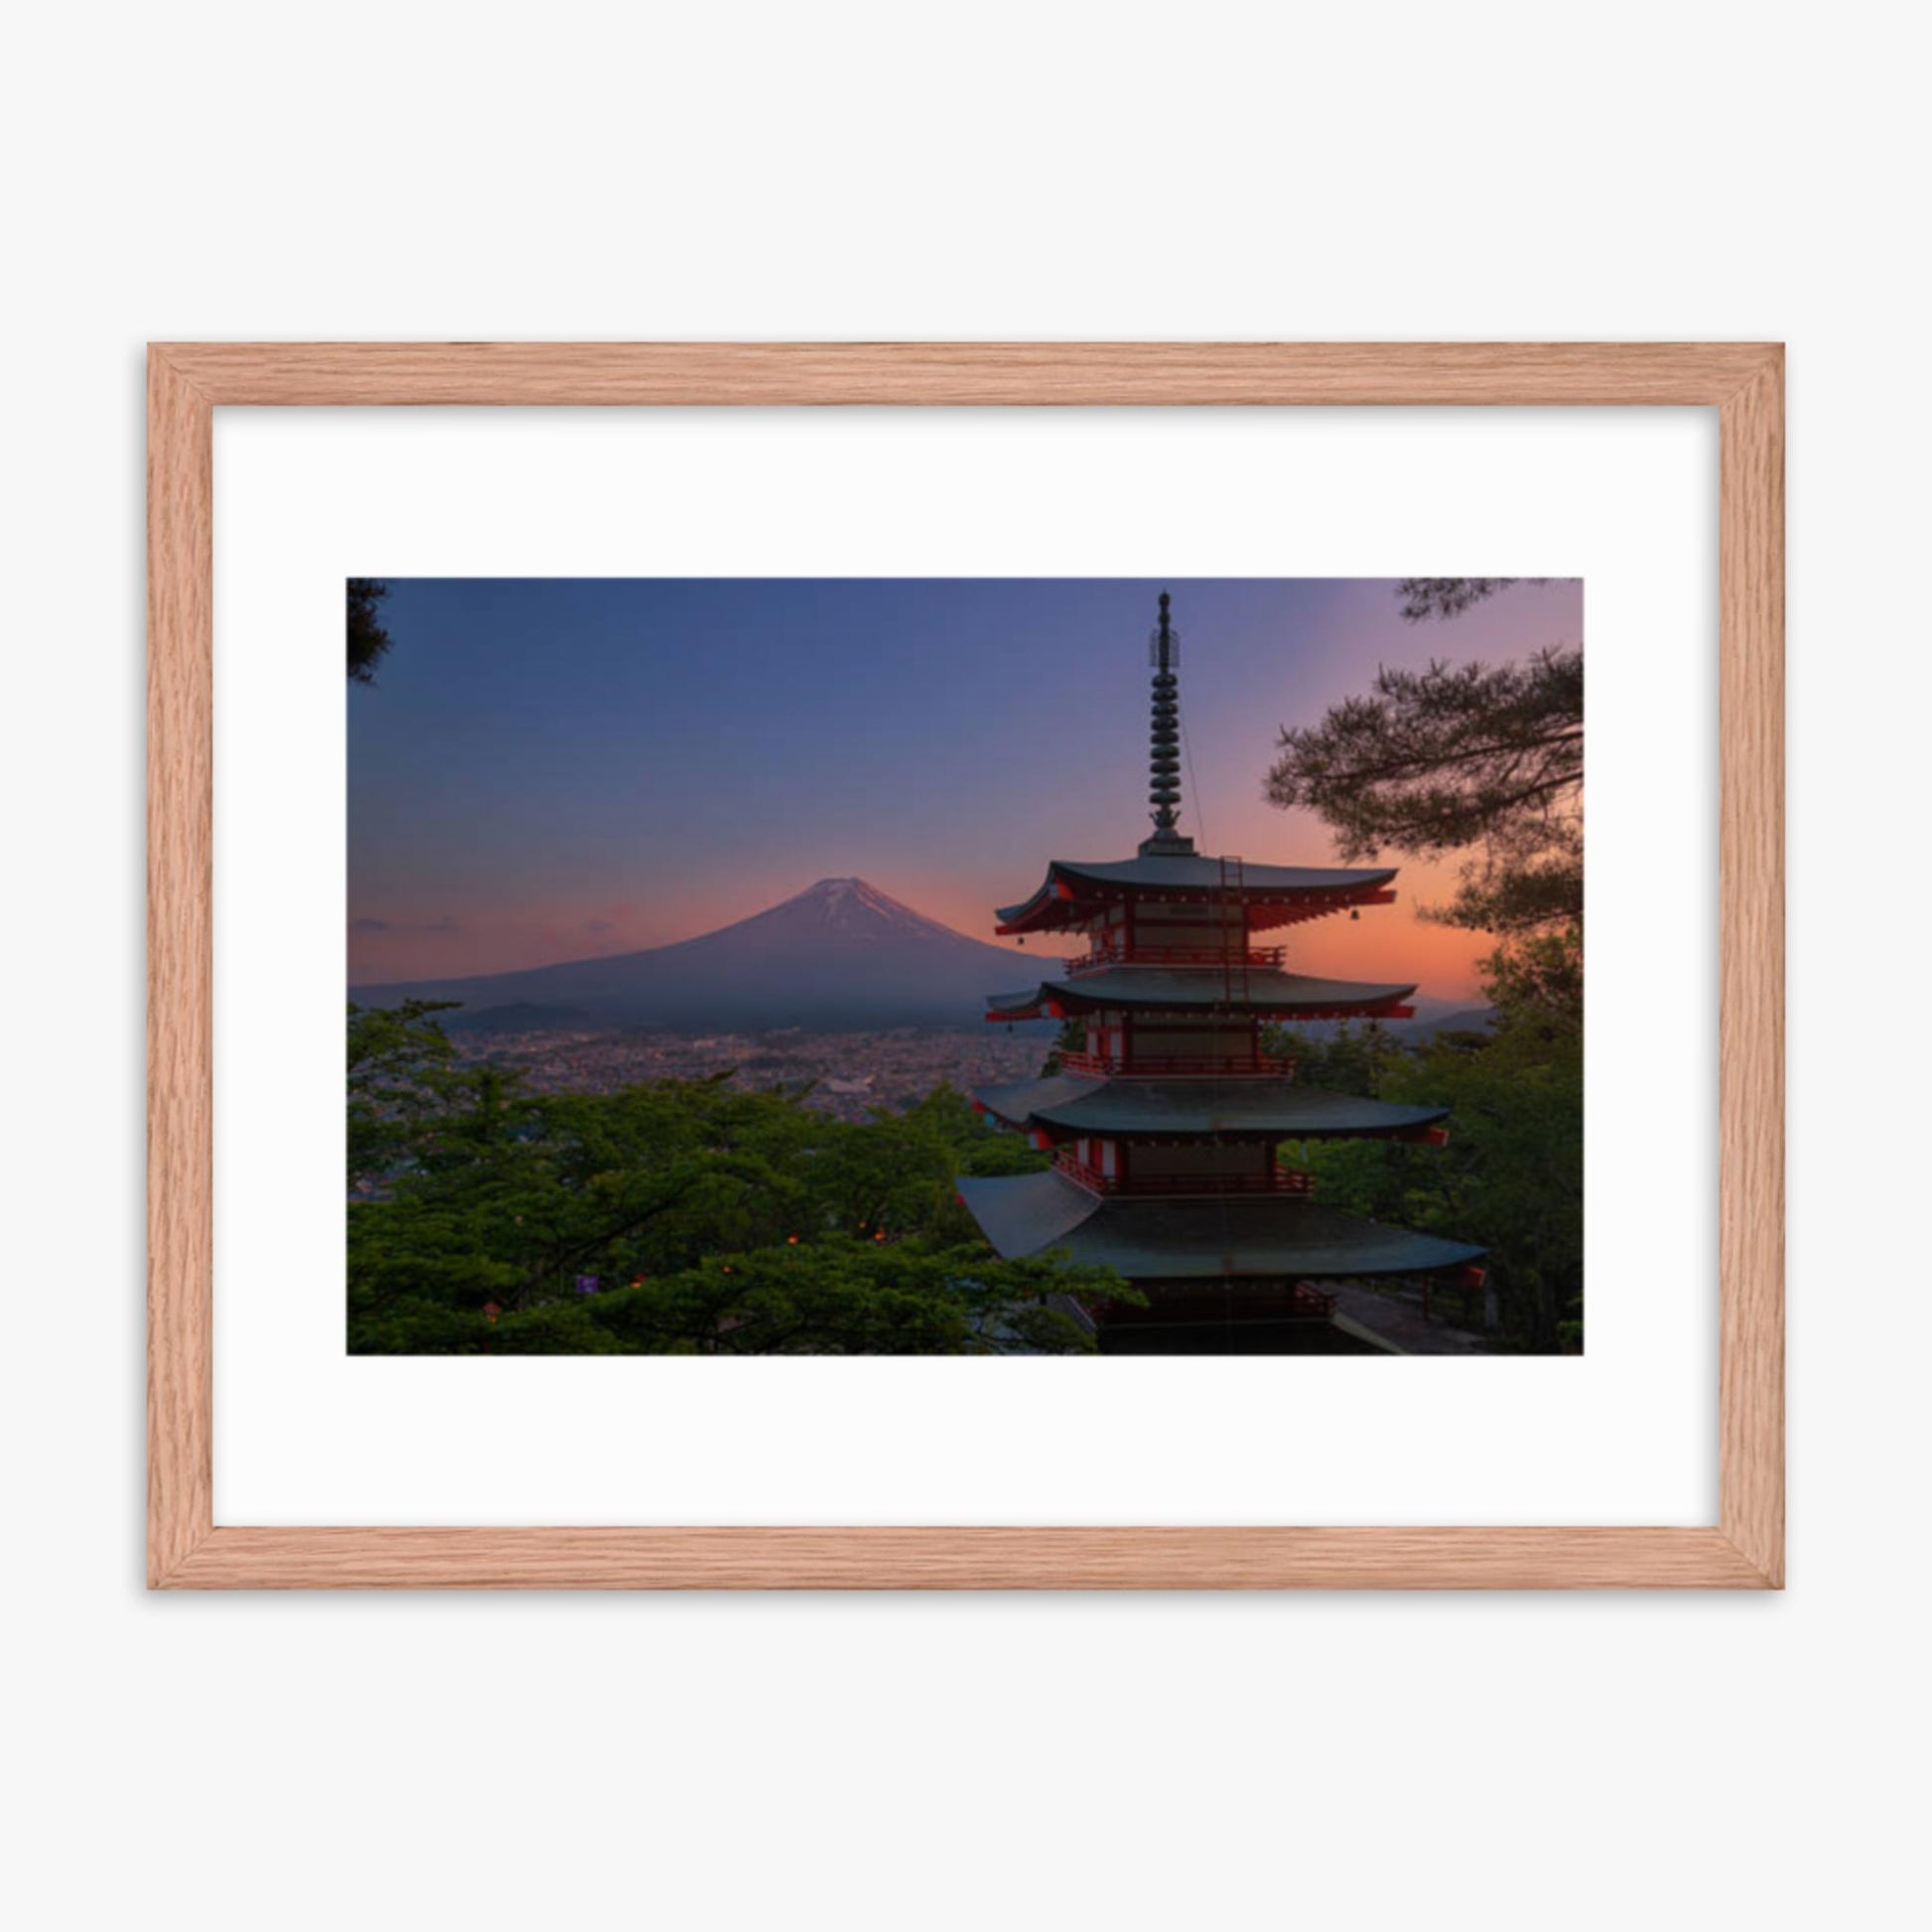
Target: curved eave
1147 989
1074 890
1194 1239
1064 1105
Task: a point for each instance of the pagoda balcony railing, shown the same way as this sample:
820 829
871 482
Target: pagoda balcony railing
1272 1180
1246 1067
1235 958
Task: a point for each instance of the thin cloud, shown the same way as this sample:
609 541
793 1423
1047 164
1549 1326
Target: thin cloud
441 925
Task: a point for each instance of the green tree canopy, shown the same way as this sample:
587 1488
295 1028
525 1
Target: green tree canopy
1511 1177
673 1216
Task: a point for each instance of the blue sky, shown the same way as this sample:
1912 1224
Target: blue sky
550 768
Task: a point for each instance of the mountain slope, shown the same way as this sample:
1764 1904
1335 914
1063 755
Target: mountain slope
840 953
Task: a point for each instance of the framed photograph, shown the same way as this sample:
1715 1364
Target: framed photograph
965 966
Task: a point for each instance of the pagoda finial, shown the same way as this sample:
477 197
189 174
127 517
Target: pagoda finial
1164 653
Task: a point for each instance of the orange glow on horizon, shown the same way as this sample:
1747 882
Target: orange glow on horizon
1015 733
1386 944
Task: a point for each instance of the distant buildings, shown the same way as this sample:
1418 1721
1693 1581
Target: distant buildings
851 1075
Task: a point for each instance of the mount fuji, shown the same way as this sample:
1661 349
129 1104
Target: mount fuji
840 954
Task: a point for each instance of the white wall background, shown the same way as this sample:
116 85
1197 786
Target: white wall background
1005 171
1621 499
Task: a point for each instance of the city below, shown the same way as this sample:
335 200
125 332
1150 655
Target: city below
849 1074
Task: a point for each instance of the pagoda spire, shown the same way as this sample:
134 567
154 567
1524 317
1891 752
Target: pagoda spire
1164 765
1166 1118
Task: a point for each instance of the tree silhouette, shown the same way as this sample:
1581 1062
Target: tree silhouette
367 641
1446 597
1454 757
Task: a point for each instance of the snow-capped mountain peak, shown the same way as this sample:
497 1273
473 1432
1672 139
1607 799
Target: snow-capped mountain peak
851 904
840 952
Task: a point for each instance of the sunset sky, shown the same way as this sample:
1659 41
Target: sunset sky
551 770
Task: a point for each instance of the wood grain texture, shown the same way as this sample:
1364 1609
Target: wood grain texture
1750 1027
1055 375
1743 1550
180 685
967 1558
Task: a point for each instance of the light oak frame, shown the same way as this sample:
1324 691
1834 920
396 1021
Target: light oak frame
1742 381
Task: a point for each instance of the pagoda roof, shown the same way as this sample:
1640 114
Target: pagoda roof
1280 1109
1258 989
1073 885
1196 1238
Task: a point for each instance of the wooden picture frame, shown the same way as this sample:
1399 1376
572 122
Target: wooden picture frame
189 381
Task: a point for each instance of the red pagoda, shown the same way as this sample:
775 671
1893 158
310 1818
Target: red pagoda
1166 1124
